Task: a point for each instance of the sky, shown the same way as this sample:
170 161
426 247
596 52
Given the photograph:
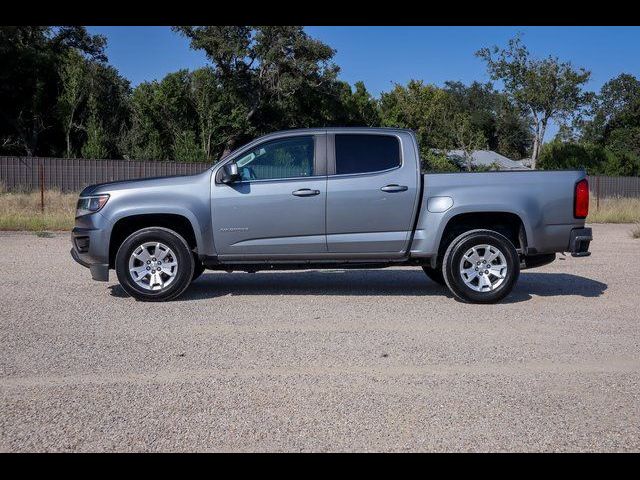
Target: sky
382 56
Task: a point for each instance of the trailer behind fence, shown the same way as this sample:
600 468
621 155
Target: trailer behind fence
73 174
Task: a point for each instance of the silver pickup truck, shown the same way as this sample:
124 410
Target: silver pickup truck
331 198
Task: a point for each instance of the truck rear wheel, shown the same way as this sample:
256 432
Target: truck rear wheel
481 266
154 264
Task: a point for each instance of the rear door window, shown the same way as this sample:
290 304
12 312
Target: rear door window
366 153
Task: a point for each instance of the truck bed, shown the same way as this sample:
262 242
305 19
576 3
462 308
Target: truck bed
543 200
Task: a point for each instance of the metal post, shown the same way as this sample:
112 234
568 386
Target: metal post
41 175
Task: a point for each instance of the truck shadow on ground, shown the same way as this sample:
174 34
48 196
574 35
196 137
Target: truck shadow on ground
404 283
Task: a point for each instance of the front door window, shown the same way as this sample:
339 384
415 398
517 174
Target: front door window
287 158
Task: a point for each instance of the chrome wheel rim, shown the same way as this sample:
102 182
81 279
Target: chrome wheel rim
483 268
153 266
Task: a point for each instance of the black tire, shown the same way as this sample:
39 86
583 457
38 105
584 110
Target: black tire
198 269
454 255
183 255
434 274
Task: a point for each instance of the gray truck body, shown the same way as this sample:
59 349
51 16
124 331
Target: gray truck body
387 217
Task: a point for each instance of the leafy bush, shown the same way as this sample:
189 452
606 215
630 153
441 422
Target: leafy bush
558 155
433 162
595 159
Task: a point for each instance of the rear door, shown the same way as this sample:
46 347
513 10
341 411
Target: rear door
278 208
371 193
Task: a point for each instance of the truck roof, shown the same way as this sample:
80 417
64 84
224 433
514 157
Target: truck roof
341 129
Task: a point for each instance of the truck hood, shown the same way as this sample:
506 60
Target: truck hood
143 183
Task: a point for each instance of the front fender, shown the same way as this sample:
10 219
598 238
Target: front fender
162 210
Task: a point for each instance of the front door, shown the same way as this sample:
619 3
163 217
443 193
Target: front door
278 208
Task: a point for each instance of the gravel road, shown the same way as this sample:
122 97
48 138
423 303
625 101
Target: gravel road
320 361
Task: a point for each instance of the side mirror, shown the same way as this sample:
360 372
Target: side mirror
230 173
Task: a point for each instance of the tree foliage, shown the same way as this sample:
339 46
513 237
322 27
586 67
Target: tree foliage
73 71
95 145
60 97
546 88
595 159
273 77
43 88
607 140
468 137
456 116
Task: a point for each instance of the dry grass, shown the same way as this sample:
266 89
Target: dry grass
615 210
635 233
21 211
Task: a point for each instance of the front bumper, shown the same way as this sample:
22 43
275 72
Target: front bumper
90 245
99 271
579 242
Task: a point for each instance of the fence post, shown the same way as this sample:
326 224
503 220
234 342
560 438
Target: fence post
41 178
598 192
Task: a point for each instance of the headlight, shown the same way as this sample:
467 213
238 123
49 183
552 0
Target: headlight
92 204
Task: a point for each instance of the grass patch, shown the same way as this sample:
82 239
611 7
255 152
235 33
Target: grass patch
635 233
615 210
21 211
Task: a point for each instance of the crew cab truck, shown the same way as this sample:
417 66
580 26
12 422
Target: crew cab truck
331 198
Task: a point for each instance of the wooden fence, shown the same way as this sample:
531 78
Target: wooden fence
73 174
605 187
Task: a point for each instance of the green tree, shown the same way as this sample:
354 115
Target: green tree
547 88
214 112
112 97
272 75
94 146
615 121
161 113
205 97
186 148
30 84
359 107
612 108
73 73
468 137
437 161
505 128
558 155
425 109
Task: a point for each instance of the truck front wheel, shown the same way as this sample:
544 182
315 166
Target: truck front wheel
154 264
198 269
481 266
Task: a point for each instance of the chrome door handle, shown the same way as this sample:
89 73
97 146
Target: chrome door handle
394 188
305 192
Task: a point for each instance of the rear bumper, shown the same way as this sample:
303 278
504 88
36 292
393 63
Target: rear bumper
579 242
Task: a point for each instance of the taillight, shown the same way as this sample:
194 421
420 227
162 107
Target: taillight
581 199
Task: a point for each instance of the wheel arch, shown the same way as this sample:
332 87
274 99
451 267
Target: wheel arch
128 224
508 223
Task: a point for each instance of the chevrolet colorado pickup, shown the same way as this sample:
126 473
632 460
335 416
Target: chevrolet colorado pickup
331 198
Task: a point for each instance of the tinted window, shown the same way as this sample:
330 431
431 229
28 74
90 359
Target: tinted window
366 153
286 158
